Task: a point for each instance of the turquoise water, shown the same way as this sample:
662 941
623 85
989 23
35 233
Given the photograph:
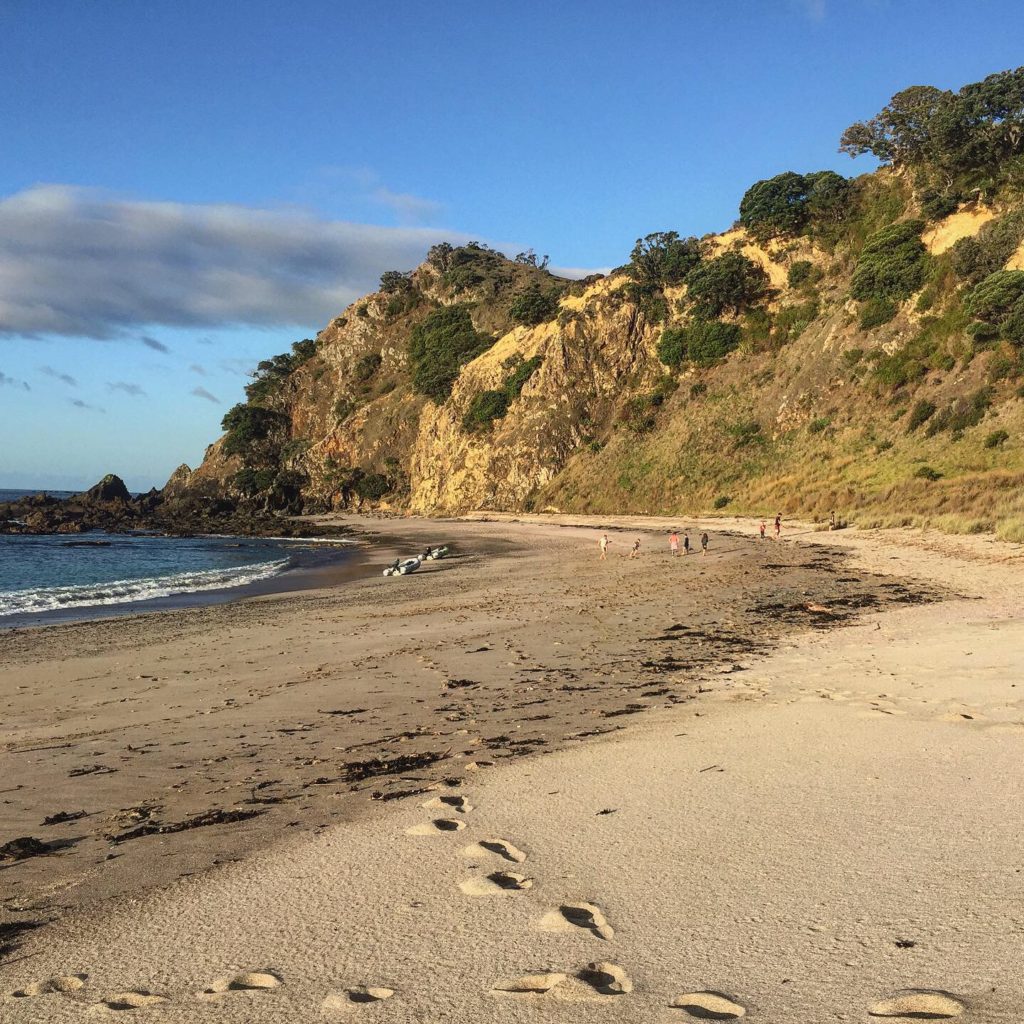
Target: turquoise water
51 574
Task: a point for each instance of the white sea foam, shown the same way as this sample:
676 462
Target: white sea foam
28 602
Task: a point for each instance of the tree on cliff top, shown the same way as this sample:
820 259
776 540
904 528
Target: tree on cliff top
662 258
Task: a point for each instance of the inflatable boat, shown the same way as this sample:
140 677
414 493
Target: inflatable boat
402 566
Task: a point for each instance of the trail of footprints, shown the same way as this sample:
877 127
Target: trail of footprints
597 979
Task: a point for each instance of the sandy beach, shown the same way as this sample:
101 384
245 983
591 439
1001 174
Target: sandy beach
781 781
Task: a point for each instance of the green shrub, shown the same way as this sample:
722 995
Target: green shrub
927 473
708 341
533 306
883 446
247 425
663 258
996 438
730 282
962 413
698 389
373 486
394 281
271 374
366 366
819 425
745 432
493 405
792 321
973 259
783 205
722 500
484 409
439 347
802 272
922 411
343 408
997 305
254 481
892 264
876 312
362 310
671 347
853 356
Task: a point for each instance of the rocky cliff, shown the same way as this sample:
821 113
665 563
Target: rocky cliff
848 344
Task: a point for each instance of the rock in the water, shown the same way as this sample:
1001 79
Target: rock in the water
110 488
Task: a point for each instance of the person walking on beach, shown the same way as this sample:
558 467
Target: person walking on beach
686 543
673 544
635 550
778 525
832 520
603 545
704 543
764 526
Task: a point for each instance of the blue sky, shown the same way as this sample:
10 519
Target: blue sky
186 188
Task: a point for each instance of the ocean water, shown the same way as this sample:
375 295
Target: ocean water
8 495
48 577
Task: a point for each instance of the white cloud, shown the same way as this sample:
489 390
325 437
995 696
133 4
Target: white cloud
125 386
82 262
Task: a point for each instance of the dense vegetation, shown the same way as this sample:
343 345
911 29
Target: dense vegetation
492 405
439 347
789 203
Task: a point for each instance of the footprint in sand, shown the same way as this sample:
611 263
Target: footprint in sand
608 979
251 981
495 883
358 995
438 825
136 999
709 1006
918 1004
63 983
530 984
502 847
578 915
449 803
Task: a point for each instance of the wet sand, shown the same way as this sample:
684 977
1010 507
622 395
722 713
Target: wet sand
163 745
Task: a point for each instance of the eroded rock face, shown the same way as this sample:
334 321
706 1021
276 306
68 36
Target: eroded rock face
110 488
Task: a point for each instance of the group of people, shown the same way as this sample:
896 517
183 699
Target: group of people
674 544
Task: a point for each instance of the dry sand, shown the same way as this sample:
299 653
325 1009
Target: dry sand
827 825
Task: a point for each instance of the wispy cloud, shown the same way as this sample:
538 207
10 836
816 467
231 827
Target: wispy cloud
79 404
196 368
203 393
64 378
81 262
13 382
409 209
126 386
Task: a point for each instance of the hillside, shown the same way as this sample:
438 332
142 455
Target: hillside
849 344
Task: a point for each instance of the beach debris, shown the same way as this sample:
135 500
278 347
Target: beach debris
91 769
608 810
64 983
588 916
711 768
905 943
398 794
358 771
535 983
11 932
460 684
344 711
24 847
931 1004
62 816
608 979
216 816
709 1006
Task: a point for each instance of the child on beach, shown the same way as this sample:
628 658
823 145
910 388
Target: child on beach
778 525
673 543
704 543
686 543
635 550
764 526
603 545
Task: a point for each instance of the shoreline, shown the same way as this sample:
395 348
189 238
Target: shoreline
249 706
788 848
